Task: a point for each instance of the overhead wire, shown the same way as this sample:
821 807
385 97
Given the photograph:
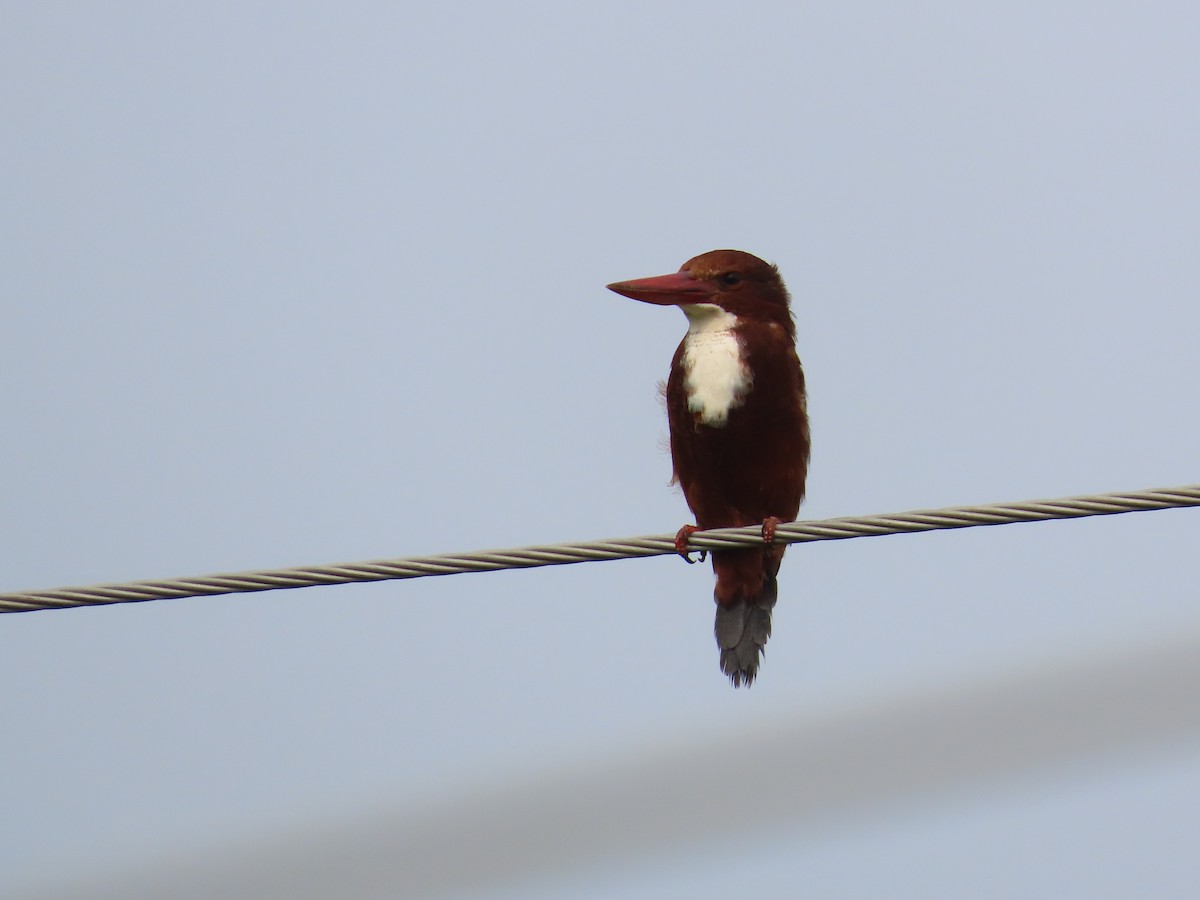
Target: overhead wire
841 528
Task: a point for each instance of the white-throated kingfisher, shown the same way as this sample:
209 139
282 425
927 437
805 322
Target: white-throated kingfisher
738 416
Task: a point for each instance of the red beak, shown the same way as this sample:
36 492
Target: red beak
679 289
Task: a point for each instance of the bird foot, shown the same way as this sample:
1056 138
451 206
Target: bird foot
681 544
770 523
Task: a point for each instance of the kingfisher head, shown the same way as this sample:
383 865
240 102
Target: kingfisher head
732 281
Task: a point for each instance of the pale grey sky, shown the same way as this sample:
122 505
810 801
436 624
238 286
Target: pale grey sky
290 283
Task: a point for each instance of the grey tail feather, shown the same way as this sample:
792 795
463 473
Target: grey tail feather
742 631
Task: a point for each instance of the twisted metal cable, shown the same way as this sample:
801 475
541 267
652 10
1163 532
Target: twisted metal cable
837 529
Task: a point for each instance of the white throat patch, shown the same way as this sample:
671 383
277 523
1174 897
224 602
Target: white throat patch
715 376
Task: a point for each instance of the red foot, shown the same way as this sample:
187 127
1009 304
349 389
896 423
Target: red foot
681 543
770 523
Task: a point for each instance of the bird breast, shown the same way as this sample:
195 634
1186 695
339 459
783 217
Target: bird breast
716 377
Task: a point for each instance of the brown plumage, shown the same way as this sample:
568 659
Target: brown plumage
739 428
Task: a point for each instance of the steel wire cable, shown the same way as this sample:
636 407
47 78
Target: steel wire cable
841 528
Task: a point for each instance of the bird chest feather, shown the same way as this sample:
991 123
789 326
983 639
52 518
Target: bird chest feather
716 377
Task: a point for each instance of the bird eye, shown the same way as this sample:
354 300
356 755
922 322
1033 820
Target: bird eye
729 279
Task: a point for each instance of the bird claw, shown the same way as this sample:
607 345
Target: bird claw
770 523
681 544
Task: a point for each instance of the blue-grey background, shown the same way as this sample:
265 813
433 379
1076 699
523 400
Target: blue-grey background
303 283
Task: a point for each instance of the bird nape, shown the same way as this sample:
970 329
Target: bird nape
738 417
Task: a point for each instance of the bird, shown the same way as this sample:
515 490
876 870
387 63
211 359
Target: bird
737 409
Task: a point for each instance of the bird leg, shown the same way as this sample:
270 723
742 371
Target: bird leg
681 544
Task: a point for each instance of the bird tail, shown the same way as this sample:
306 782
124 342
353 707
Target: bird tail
746 592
